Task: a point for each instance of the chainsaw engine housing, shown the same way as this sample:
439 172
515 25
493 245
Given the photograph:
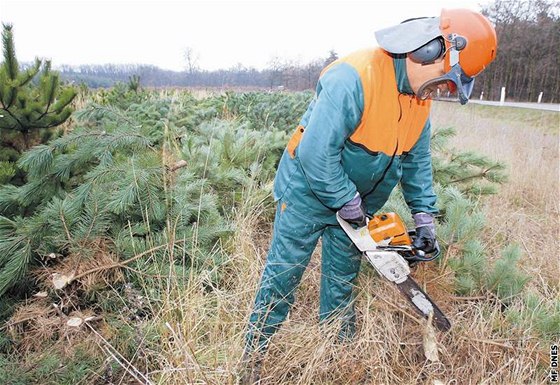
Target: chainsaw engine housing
388 229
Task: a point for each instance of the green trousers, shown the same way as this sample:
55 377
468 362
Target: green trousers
295 236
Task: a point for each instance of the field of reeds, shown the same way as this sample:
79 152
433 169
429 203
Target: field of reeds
161 294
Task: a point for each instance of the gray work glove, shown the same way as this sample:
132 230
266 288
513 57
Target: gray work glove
354 212
425 233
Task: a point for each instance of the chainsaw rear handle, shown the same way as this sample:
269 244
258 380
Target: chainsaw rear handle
420 255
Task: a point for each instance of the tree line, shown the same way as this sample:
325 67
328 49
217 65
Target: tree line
279 74
526 63
528 57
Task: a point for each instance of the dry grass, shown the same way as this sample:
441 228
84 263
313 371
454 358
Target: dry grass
480 349
526 210
206 346
201 331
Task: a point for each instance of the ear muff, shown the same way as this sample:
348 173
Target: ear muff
429 52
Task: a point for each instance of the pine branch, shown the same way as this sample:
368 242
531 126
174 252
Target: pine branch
8 199
64 99
505 280
93 109
6 110
482 174
10 61
112 140
51 82
29 74
15 253
38 161
16 267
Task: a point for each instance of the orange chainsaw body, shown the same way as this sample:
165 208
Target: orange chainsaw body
389 226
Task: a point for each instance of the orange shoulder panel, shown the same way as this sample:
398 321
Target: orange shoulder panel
391 122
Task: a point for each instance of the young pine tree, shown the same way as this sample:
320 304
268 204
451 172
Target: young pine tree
32 103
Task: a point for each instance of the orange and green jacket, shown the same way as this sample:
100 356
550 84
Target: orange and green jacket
364 131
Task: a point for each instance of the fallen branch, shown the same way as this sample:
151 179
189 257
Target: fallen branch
11 323
540 357
116 264
489 342
178 165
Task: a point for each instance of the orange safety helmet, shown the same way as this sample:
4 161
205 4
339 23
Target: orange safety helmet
480 36
465 38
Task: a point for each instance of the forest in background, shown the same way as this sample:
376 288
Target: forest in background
527 30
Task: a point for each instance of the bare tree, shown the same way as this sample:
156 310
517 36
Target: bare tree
191 60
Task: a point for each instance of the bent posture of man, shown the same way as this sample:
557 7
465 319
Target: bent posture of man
366 130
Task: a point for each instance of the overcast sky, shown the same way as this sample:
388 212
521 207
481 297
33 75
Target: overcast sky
220 33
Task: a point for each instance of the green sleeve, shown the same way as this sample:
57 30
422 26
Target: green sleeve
336 113
417 178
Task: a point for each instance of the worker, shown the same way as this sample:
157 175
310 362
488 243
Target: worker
366 130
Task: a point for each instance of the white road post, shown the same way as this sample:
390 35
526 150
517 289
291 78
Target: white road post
540 98
503 96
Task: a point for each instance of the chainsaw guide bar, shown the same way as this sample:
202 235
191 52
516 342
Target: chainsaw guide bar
423 304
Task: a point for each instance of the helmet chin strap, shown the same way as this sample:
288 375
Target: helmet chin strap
457 43
463 83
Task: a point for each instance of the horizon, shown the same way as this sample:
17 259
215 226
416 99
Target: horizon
219 34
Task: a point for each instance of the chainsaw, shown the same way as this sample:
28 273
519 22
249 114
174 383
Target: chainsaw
385 242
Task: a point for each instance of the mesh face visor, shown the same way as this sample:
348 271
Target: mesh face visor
455 81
